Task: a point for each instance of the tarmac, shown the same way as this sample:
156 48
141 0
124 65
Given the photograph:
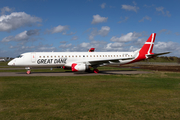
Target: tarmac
69 73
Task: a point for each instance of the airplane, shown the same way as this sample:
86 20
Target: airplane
82 61
4 59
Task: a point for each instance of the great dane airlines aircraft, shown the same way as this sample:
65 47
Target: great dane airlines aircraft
82 61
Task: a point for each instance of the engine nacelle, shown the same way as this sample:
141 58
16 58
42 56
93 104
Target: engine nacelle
79 67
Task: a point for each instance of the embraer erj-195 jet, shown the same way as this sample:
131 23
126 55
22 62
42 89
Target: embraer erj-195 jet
82 61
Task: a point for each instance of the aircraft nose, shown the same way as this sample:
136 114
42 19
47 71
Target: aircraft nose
11 63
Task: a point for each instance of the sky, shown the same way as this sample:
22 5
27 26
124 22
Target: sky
78 25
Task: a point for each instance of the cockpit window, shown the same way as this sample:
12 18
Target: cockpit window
20 56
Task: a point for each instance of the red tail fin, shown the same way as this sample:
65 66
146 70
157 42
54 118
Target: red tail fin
147 48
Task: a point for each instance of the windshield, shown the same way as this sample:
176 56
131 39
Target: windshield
19 56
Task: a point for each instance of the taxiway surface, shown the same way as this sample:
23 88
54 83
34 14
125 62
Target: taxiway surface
114 72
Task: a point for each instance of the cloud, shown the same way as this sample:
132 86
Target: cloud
130 8
71 33
45 48
23 36
103 5
114 46
65 46
84 44
145 18
126 38
16 20
6 9
167 46
74 38
177 33
103 32
38 48
165 13
125 19
98 19
63 42
164 31
58 29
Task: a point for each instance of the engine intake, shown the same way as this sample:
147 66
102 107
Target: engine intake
79 67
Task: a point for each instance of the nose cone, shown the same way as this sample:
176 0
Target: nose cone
11 63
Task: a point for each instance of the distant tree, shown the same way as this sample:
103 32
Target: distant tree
178 61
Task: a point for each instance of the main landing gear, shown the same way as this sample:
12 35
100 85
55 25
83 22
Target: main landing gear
28 70
96 71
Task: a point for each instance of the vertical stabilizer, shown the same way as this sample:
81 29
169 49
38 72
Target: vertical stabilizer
147 48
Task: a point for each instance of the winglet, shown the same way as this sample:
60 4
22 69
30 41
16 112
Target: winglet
91 50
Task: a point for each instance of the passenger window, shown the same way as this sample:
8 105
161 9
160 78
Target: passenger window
39 56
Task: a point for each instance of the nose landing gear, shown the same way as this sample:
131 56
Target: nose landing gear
28 70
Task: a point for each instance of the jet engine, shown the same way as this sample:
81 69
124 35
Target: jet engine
79 67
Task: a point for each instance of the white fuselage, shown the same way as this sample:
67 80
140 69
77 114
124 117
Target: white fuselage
56 59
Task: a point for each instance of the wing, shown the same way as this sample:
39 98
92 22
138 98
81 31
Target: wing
107 61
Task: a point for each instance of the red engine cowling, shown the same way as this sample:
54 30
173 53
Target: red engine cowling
79 67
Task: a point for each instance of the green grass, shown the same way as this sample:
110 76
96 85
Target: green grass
149 96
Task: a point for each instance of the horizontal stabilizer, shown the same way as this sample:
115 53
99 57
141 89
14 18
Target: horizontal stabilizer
157 54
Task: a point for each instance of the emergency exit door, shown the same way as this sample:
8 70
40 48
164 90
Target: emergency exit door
33 57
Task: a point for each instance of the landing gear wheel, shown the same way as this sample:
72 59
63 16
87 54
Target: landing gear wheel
28 72
95 70
88 70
